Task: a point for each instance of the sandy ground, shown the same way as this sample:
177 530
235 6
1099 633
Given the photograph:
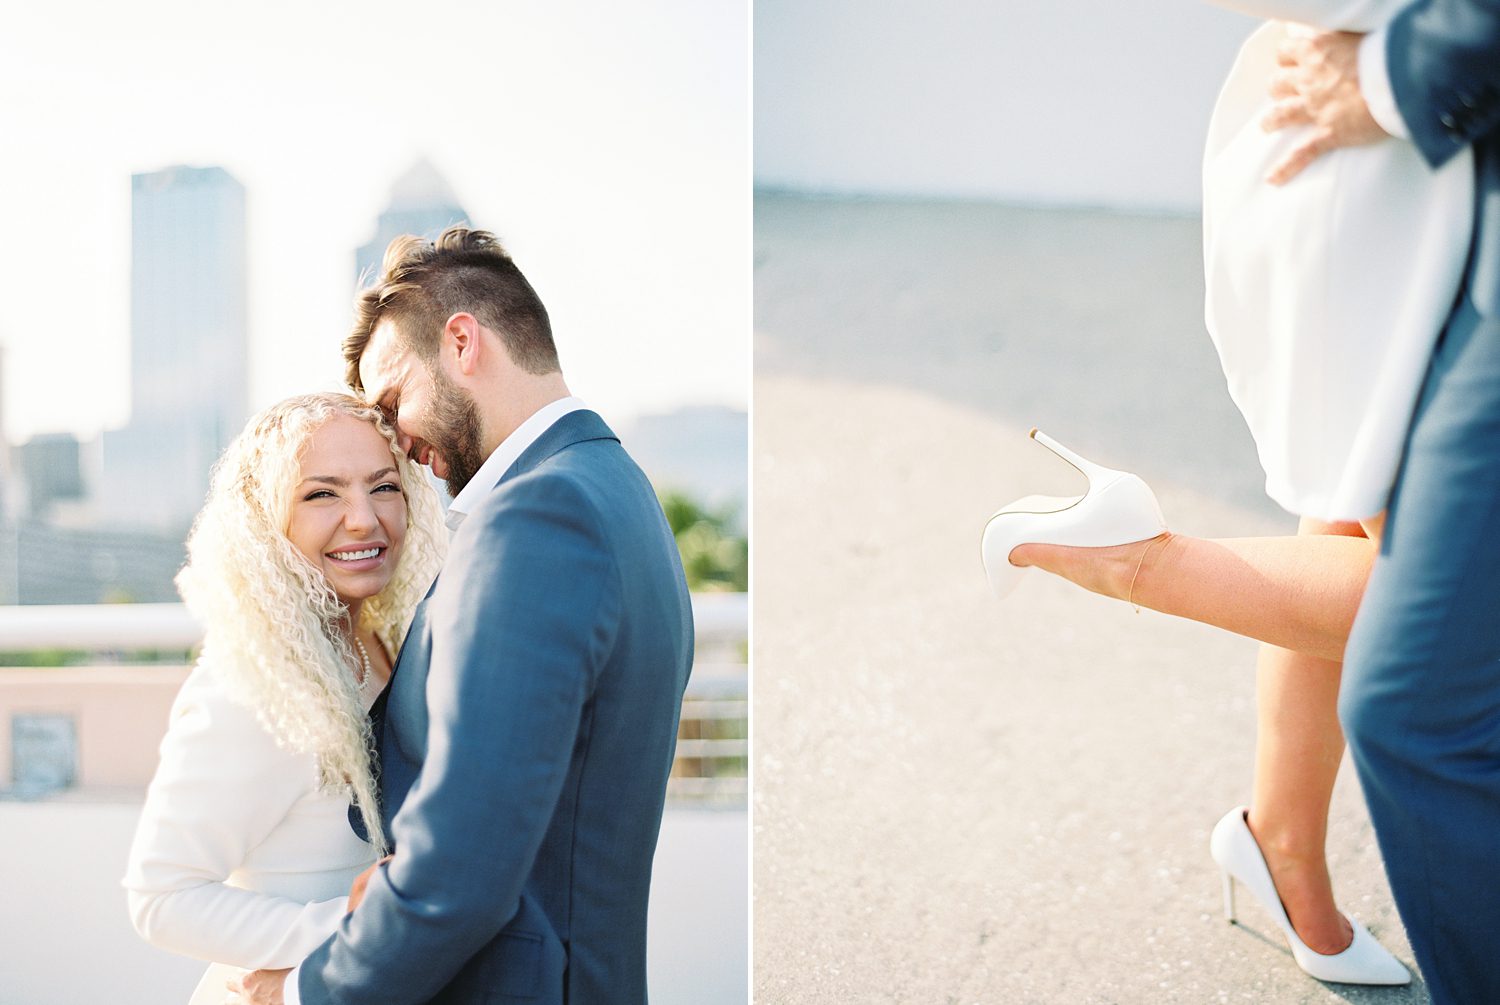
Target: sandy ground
957 800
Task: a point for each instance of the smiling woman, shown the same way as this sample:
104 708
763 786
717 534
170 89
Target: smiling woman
348 514
305 566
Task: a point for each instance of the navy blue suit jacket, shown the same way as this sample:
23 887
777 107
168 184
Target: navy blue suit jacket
1443 57
525 743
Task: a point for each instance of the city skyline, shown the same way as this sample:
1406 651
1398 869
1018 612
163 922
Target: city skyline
188 388
635 254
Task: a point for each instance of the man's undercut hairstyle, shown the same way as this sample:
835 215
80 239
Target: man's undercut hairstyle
422 284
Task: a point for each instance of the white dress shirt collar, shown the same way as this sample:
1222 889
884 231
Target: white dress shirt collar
510 448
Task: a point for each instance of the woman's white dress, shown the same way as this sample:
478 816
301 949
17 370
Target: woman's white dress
238 858
1325 295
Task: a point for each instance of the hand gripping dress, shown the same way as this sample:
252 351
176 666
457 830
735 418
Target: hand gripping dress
1325 295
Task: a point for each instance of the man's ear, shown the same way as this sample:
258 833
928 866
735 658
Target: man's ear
462 343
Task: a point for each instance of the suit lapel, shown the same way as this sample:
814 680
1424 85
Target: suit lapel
378 710
575 427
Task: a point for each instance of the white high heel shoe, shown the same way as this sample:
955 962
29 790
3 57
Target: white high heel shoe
1118 508
1364 962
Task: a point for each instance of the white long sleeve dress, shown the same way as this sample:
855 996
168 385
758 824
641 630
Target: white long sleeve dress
238 858
1325 295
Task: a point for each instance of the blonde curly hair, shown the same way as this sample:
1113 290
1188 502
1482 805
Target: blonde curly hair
273 625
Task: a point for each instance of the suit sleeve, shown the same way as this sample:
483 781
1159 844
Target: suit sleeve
522 620
221 786
1443 59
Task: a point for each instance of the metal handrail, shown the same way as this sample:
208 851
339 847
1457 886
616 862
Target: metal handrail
717 618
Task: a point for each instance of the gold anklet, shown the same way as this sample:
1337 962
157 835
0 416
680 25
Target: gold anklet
1130 597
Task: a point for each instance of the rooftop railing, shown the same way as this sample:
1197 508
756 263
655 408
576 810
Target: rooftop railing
47 712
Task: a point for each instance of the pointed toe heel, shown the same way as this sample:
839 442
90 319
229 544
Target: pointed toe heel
1365 961
1117 508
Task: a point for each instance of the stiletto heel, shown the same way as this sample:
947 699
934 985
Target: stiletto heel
1088 467
1118 508
1365 961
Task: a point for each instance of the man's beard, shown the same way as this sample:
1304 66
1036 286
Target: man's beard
455 433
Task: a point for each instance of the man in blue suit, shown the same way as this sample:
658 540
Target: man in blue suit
1420 699
530 724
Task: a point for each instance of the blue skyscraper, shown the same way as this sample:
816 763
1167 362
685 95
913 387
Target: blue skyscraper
189 384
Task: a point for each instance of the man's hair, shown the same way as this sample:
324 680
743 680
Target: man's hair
422 284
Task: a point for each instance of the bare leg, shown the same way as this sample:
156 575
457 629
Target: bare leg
1298 747
1299 593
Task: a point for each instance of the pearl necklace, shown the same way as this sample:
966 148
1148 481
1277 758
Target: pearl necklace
364 658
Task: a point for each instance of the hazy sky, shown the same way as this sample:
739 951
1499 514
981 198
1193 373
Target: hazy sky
607 143
1052 102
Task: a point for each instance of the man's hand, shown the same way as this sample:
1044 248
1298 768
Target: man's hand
1317 85
357 891
260 987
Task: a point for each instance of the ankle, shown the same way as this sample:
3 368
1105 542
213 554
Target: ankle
1131 586
1288 843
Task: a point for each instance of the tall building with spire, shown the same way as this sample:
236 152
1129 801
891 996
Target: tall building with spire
422 203
189 355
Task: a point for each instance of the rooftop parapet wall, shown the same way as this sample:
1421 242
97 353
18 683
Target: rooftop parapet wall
119 715
95 728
